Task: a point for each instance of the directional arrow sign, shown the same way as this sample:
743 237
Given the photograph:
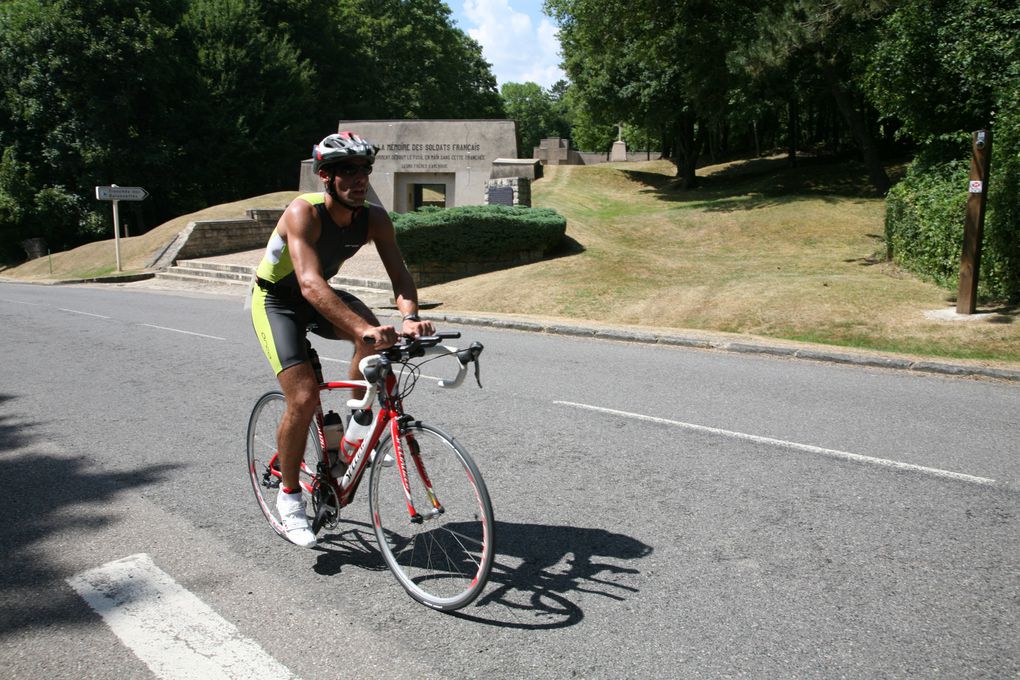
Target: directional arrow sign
116 193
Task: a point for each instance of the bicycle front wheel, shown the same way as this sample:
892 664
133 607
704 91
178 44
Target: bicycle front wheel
263 462
443 553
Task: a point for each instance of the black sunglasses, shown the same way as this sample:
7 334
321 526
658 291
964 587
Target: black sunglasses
352 170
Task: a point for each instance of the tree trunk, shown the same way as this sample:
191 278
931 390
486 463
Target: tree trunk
689 139
794 131
876 171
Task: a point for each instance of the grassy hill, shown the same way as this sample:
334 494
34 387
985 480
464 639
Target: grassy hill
100 259
760 248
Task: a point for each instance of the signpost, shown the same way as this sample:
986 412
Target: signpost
973 226
116 194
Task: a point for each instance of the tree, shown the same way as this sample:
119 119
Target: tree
661 64
941 67
248 133
405 59
204 101
829 39
536 113
88 91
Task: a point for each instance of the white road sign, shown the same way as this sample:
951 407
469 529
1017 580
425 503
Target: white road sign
116 193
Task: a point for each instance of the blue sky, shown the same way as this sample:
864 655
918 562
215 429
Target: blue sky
516 38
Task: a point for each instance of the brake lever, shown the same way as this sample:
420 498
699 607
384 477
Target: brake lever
478 372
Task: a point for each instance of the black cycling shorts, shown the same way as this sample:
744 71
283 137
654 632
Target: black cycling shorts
281 324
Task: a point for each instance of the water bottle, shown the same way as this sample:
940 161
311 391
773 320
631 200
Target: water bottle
332 428
358 427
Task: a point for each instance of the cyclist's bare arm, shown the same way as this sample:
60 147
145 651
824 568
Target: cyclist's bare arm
301 230
382 233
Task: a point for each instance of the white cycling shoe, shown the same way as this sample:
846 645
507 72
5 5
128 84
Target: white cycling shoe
291 508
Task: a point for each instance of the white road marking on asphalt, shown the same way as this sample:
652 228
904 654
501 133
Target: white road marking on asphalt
20 302
946 474
75 311
178 330
172 631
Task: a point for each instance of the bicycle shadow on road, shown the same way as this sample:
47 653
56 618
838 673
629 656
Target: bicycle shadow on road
51 496
541 570
538 570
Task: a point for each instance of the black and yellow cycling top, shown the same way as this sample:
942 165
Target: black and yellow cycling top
336 244
280 315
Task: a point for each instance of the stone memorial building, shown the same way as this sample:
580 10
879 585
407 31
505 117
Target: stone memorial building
429 162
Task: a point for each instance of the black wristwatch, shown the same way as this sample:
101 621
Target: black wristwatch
412 317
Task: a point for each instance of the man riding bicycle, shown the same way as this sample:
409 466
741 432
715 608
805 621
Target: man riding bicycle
315 235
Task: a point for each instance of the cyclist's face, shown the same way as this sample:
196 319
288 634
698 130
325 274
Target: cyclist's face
351 180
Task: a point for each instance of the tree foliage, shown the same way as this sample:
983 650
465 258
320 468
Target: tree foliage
204 101
537 113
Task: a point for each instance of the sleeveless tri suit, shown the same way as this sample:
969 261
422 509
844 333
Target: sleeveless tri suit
280 315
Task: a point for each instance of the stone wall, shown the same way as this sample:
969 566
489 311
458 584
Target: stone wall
556 151
595 157
431 273
205 238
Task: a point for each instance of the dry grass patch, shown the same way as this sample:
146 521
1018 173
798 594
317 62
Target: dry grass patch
759 249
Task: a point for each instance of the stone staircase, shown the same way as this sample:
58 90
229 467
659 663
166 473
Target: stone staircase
372 291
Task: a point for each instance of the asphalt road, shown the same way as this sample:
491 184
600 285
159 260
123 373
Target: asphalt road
663 512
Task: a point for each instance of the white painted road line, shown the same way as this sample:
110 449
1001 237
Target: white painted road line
832 453
19 302
75 311
178 330
176 634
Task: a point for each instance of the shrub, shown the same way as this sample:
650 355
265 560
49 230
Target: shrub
925 218
476 233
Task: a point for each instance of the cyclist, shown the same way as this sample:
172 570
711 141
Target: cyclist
315 235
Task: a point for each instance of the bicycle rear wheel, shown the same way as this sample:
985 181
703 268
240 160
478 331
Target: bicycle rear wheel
263 466
443 557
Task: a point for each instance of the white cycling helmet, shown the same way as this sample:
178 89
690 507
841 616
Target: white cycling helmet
339 147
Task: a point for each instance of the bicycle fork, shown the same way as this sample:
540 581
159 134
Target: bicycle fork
400 434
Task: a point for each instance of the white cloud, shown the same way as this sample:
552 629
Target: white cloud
519 48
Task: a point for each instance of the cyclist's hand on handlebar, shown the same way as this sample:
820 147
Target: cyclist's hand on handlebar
380 337
417 329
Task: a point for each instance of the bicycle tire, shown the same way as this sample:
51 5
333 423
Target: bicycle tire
261 444
444 561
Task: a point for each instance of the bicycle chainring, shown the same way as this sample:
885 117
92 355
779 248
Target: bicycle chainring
326 507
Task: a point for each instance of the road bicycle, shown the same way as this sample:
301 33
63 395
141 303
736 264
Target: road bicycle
430 508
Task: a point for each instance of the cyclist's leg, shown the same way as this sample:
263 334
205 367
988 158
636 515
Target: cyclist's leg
361 349
280 326
301 391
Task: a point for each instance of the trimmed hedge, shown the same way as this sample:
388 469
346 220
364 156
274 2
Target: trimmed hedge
476 233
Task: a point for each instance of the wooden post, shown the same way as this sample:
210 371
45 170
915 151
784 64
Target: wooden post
974 225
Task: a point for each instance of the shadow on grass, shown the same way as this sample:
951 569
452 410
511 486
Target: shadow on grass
567 247
763 183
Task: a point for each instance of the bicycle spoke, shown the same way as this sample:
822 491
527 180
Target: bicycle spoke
263 465
444 560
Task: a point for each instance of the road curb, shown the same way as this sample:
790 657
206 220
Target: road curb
115 278
669 339
742 347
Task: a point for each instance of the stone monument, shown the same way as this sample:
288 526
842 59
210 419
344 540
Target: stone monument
619 152
435 162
